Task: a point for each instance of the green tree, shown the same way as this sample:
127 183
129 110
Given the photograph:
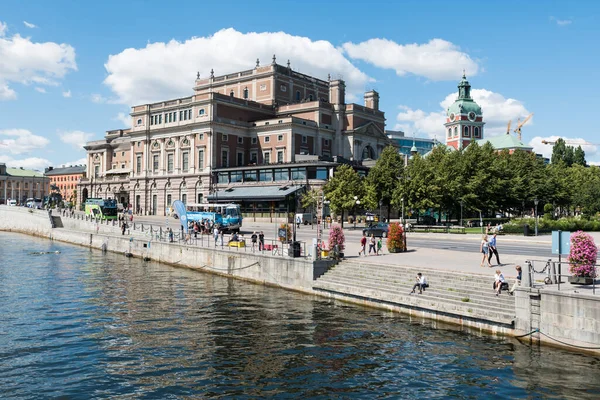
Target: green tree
558 151
341 189
310 199
383 179
579 157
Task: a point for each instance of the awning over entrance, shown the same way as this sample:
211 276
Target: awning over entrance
254 193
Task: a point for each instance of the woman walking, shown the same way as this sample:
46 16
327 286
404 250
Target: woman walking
484 248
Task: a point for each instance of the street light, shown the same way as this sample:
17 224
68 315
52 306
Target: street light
402 200
536 201
461 213
357 202
380 216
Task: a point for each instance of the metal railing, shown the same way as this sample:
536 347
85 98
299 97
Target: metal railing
273 247
553 273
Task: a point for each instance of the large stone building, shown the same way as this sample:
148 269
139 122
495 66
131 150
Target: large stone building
21 184
65 180
268 127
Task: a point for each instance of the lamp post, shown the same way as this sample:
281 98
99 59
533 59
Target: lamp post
402 200
523 209
380 212
357 203
461 213
536 201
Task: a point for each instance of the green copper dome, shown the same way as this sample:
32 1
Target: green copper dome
464 104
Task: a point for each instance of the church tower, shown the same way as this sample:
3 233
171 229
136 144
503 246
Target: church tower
464 119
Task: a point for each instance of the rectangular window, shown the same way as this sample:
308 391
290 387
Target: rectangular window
266 175
189 114
201 158
184 198
114 154
152 120
254 140
267 157
240 159
263 88
160 118
326 142
240 140
280 156
249 176
223 177
253 157
298 173
267 139
201 136
304 139
236 177
281 174
224 158
122 154
224 138
170 158
175 116
138 164
322 173
122 166
169 198
280 138
181 116
155 163
185 161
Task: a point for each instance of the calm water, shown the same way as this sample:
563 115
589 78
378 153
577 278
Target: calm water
82 324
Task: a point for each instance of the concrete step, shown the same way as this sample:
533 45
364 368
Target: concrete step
450 286
452 307
502 303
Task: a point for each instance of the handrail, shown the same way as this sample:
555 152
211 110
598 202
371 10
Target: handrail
552 271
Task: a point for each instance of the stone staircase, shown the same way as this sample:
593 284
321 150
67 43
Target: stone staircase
453 295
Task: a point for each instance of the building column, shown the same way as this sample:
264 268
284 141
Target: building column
163 157
177 157
192 166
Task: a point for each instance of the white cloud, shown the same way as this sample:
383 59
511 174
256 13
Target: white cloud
21 141
27 163
81 161
546 149
26 62
497 111
29 24
76 139
561 22
67 94
97 98
6 93
436 60
125 119
167 70
40 89
3 29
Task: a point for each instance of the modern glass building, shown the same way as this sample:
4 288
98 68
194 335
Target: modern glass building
405 144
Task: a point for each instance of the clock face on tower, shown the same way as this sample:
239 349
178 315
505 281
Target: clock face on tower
472 116
452 117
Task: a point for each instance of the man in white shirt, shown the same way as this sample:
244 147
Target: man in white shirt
421 283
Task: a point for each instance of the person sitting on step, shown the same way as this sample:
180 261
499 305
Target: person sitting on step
421 283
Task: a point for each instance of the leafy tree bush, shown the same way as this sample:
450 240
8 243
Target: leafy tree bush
395 240
582 257
336 236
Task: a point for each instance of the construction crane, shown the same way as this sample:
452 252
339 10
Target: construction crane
508 127
571 142
520 125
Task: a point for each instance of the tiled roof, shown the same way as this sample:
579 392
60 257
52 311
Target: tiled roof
77 169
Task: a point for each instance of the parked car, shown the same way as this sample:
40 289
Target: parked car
379 230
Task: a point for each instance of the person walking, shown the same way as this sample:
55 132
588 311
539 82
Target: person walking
484 249
498 281
517 281
363 245
261 241
216 234
372 244
254 237
170 235
493 250
379 246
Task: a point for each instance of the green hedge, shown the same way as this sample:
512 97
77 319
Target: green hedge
545 225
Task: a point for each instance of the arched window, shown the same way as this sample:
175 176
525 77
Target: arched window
368 153
310 97
466 131
298 95
455 131
449 133
476 132
231 93
245 93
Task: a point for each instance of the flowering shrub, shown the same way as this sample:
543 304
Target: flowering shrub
395 239
336 236
582 256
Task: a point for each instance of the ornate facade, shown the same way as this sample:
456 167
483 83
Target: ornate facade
464 118
268 126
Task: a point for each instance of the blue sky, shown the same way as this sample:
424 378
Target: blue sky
70 70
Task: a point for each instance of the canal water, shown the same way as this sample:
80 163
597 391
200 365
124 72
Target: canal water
76 323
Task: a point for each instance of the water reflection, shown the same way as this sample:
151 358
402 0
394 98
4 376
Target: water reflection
85 324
